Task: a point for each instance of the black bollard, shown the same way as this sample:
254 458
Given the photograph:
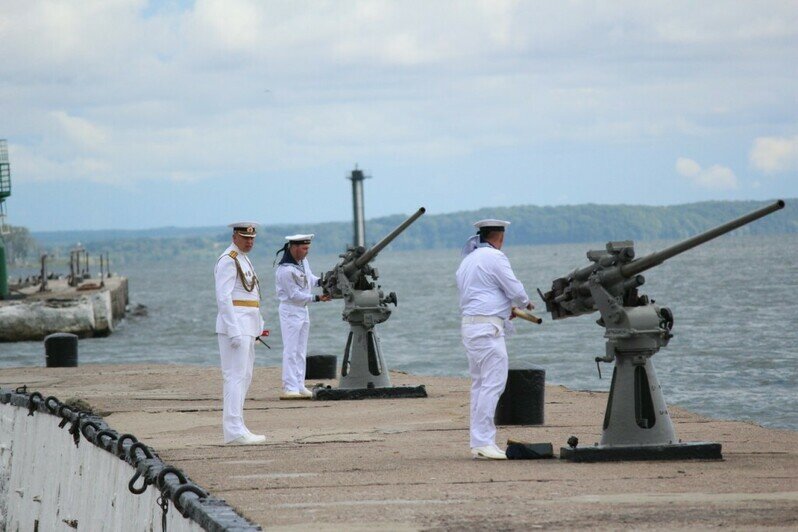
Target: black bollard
320 367
61 350
523 399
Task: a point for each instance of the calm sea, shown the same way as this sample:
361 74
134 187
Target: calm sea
734 354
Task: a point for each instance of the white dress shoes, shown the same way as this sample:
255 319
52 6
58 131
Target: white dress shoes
248 439
488 452
304 392
287 396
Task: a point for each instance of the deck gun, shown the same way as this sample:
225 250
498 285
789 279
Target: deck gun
635 329
365 305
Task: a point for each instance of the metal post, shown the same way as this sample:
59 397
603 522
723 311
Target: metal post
43 287
75 275
71 268
359 218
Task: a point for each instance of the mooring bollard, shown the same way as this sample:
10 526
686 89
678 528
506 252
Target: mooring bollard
320 367
524 396
61 350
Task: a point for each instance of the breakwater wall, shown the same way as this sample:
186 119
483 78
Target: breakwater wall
63 469
89 310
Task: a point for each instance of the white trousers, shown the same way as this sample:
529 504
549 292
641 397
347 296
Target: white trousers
294 326
488 365
237 367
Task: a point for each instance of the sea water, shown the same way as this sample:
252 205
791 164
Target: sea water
734 354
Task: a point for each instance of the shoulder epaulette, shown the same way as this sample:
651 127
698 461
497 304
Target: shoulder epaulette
233 254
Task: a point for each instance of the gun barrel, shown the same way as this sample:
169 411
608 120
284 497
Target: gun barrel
649 261
372 252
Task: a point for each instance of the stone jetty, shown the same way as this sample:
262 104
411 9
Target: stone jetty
404 464
90 309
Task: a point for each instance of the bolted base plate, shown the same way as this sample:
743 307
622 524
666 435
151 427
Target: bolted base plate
617 453
392 392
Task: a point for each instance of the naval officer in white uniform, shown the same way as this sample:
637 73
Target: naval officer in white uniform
488 292
294 282
238 324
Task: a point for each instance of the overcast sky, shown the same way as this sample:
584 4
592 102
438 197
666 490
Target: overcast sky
137 114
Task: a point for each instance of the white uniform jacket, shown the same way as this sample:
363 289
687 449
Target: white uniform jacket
235 318
294 284
487 284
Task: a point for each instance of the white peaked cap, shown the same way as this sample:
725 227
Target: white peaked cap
490 222
300 238
244 224
248 229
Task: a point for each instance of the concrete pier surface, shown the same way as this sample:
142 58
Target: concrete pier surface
404 464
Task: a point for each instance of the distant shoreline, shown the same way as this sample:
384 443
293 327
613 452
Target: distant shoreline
531 225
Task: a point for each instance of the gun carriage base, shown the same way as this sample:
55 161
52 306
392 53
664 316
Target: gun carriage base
364 373
637 425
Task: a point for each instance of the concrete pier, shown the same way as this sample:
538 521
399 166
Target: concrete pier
404 464
87 310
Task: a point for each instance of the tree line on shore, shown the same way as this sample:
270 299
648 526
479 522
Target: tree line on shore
531 225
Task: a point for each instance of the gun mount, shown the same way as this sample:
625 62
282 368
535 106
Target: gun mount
636 423
365 305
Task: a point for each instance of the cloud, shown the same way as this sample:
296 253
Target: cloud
774 154
715 177
80 131
131 90
687 167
